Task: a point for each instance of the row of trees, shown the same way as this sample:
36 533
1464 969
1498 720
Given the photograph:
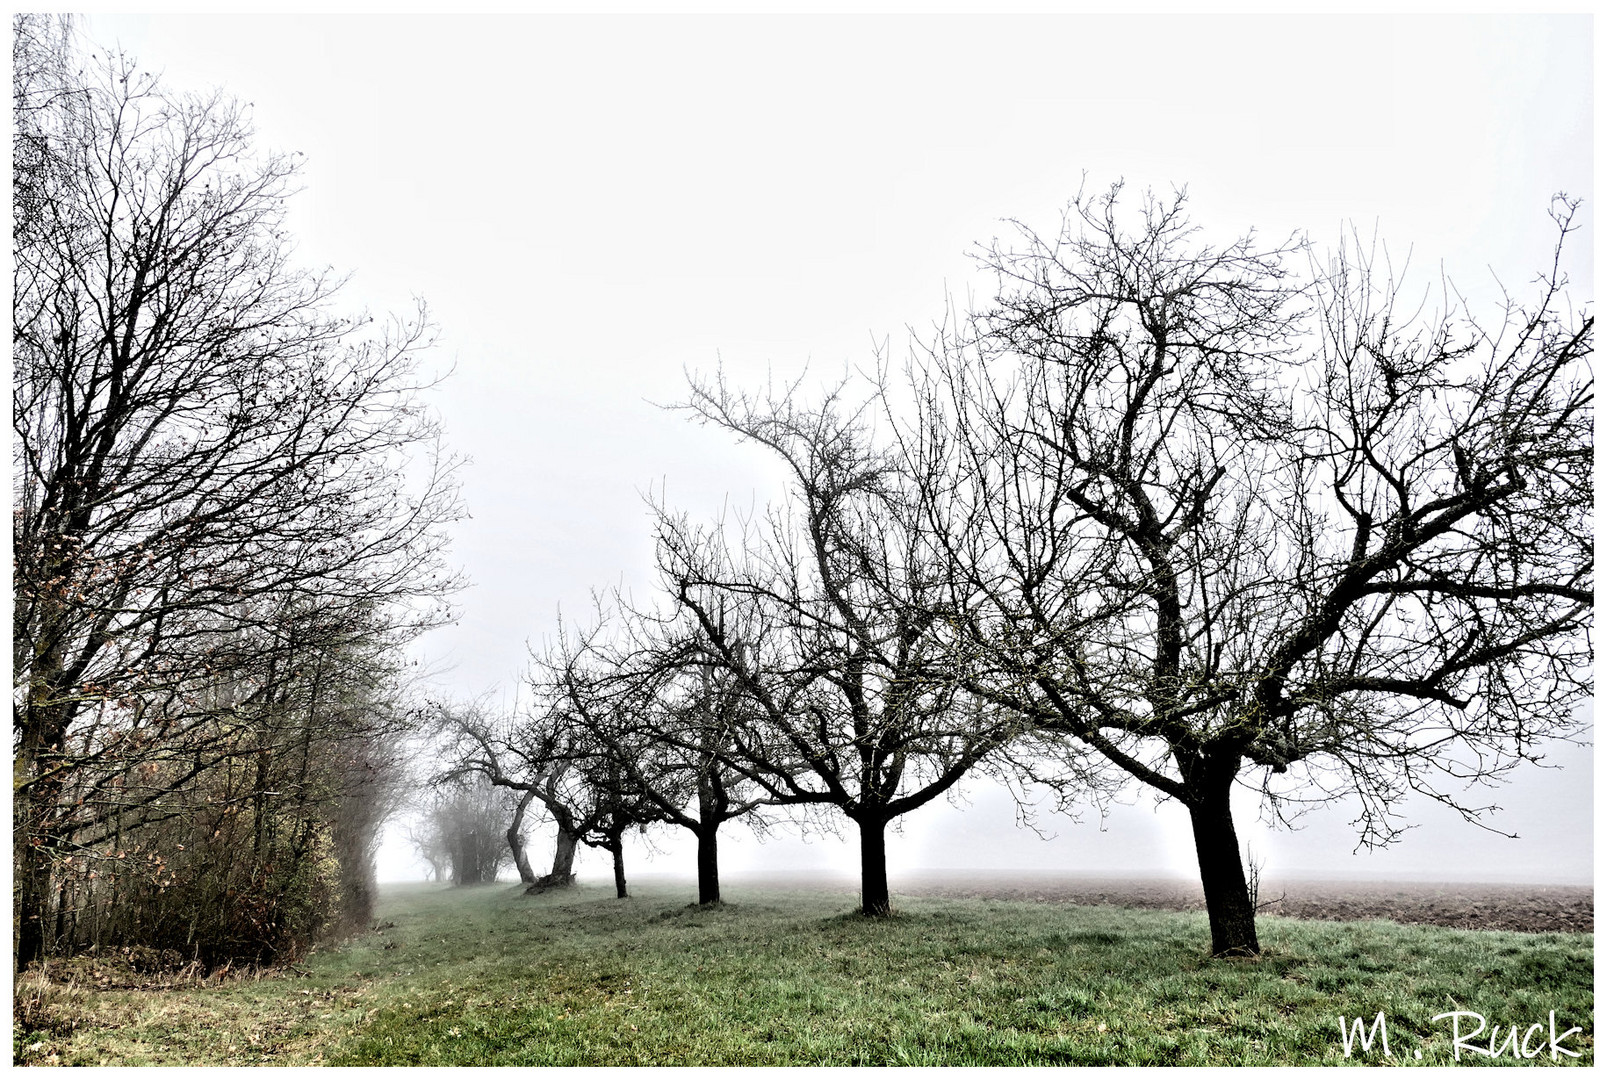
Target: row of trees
228 503
1161 512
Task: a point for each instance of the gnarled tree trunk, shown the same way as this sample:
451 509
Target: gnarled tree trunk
516 840
35 794
30 886
563 861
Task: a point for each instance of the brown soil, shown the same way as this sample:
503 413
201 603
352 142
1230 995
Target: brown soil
1527 908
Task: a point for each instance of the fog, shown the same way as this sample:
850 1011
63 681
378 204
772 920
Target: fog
592 207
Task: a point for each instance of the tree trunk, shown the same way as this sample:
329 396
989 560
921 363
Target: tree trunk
43 721
563 861
27 942
30 890
616 848
873 868
1227 893
516 840
63 906
563 857
32 845
708 865
259 806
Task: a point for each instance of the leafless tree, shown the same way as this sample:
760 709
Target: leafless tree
463 828
828 620
1208 525
430 846
205 457
660 710
551 753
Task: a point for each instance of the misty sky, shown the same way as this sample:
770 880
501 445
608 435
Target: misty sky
593 206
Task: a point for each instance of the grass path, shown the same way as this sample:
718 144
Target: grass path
490 977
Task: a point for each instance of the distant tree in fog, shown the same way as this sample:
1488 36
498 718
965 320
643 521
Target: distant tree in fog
549 754
462 830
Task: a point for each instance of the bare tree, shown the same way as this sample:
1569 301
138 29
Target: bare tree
828 622
1207 525
557 799
660 711
466 815
552 755
693 720
201 450
430 846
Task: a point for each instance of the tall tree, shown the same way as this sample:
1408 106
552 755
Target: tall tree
1209 526
200 447
828 620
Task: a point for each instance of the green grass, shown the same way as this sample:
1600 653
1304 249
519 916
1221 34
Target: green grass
491 977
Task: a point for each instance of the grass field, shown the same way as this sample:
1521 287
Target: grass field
491 977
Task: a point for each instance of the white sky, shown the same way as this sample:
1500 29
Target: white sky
592 205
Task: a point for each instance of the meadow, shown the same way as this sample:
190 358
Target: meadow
488 976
